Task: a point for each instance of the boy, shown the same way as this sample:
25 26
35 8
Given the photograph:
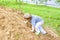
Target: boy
36 23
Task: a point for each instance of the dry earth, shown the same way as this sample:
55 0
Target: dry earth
12 27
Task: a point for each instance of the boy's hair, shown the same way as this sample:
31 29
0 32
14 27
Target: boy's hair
27 16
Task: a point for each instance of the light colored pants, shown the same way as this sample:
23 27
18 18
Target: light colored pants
38 27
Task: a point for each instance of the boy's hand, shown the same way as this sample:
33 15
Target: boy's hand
25 21
32 29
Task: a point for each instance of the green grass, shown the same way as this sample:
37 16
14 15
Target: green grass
49 14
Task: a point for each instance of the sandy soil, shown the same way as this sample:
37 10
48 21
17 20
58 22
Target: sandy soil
12 27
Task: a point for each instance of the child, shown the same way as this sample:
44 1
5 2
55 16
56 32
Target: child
36 23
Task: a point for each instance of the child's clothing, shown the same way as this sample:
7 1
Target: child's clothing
37 23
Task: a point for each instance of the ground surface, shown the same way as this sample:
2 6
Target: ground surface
12 27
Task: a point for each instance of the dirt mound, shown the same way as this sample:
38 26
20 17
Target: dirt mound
12 27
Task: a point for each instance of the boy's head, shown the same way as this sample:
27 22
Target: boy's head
27 16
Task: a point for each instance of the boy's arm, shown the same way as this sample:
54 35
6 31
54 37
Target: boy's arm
32 30
33 25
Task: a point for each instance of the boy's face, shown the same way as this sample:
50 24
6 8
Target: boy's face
28 19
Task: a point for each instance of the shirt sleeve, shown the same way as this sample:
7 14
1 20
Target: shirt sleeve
33 23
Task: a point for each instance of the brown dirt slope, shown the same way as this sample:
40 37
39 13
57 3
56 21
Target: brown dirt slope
12 27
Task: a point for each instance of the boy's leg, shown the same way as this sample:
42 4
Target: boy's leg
41 28
37 29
